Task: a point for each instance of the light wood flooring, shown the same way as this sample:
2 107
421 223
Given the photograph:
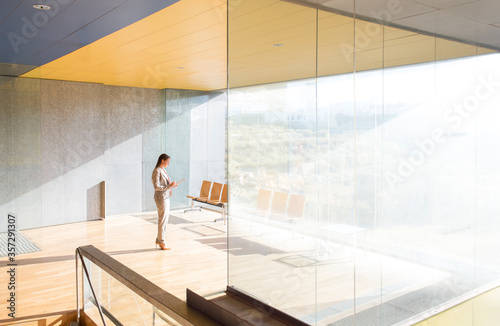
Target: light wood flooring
294 273
46 279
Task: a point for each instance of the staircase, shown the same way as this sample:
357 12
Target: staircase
233 307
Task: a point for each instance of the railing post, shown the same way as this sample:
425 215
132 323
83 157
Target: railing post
77 288
86 274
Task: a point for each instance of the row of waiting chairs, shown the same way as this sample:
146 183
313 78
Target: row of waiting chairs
212 193
277 204
282 204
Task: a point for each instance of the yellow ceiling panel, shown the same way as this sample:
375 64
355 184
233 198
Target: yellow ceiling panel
252 60
485 51
58 74
189 34
369 59
411 50
446 49
176 58
277 15
35 73
207 38
168 17
391 33
328 20
238 8
181 30
185 46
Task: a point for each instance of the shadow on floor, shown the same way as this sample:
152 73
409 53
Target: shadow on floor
53 259
240 246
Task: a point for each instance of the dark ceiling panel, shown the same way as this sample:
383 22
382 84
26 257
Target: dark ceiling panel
466 21
35 37
7 8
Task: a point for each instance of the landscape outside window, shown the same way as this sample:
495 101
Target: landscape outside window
402 158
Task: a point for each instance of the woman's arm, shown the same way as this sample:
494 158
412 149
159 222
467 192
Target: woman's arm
156 182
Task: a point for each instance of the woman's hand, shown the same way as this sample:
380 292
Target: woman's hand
174 184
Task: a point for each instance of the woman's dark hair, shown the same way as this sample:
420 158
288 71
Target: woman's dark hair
162 157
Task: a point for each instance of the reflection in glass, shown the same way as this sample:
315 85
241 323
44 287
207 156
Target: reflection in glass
118 303
363 193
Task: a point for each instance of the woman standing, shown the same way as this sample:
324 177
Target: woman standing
163 190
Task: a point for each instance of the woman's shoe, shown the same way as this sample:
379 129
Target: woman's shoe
162 246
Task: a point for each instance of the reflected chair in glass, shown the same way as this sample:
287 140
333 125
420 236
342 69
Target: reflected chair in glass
204 194
278 205
296 206
295 210
263 201
221 203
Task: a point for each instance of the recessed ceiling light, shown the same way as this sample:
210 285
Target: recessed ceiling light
41 7
180 67
277 44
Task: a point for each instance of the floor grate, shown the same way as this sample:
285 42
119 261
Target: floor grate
401 308
22 244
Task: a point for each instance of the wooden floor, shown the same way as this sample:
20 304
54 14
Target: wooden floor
279 267
45 280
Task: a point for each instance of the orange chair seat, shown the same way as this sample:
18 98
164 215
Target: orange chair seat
216 203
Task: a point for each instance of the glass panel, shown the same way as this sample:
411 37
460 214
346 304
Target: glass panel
399 220
370 119
118 302
194 139
408 178
153 144
452 230
272 153
185 122
336 161
487 225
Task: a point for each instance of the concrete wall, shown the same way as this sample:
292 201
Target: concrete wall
60 140
20 152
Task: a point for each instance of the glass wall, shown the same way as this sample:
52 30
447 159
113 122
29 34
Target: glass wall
195 126
119 304
361 165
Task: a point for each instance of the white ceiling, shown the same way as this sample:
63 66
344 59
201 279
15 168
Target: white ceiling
471 21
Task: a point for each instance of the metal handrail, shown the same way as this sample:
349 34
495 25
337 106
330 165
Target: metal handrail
163 301
79 254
